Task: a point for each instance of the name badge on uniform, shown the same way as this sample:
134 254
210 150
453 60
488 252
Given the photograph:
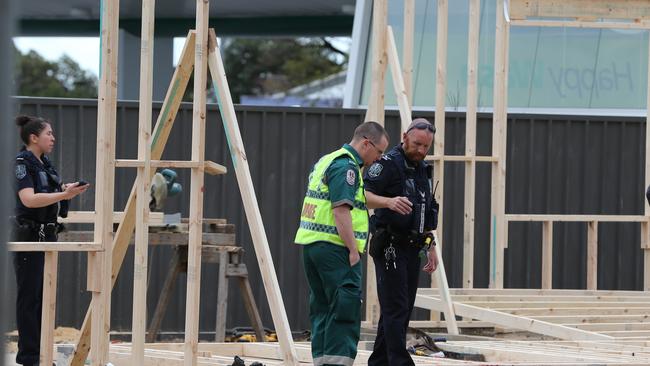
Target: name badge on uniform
21 171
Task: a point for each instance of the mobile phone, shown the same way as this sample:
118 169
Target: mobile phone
81 183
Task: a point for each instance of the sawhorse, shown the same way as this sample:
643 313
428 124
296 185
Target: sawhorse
229 258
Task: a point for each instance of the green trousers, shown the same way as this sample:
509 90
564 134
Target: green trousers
334 303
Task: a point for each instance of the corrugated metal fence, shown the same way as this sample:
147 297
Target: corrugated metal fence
556 164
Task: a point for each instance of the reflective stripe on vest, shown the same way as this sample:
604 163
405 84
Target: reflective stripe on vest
317 217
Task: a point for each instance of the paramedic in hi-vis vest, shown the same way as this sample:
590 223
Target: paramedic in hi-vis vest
333 231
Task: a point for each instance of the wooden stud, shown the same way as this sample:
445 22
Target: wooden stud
510 321
645 227
472 77
547 255
43 246
242 171
398 83
580 24
407 67
124 231
539 292
646 263
193 295
222 298
470 143
499 138
158 238
48 311
99 263
585 9
576 218
213 168
443 286
441 95
210 167
557 305
592 255
548 298
140 264
439 122
646 207
518 353
574 320
375 110
645 247
477 159
469 219
373 311
383 36
88 217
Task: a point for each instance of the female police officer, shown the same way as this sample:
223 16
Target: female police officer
40 196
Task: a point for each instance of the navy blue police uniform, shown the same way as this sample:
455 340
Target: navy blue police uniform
32 224
397 241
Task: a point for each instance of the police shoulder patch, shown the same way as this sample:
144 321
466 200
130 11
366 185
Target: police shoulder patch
21 171
350 177
375 170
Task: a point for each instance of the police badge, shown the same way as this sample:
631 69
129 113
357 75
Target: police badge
21 171
374 170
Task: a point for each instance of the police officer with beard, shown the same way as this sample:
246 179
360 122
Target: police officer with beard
400 185
40 198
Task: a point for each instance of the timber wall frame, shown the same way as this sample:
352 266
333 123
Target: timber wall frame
568 13
278 157
632 14
384 53
100 250
107 251
403 89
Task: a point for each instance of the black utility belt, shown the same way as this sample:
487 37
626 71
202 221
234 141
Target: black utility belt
384 237
35 225
402 237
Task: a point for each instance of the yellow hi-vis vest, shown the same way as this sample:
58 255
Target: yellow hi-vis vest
317 218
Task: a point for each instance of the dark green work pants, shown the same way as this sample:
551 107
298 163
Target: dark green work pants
334 303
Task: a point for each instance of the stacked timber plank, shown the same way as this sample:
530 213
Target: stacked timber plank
223 354
563 314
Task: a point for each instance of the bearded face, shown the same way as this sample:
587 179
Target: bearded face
417 143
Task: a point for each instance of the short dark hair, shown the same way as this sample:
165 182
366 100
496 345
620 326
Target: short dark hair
370 130
30 125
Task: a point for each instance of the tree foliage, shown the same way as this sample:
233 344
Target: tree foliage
264 66
63 78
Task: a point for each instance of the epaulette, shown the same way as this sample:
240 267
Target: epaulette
385 157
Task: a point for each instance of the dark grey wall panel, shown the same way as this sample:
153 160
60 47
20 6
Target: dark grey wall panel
556 164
